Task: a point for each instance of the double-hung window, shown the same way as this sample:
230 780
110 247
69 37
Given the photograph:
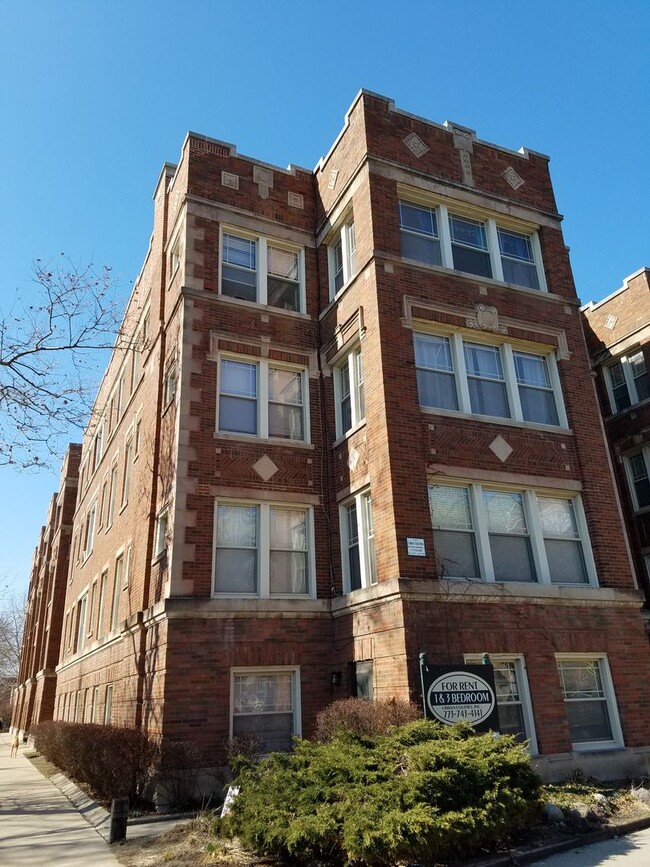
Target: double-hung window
89 530
263 550
627 381
342 256
262 270
82 610
497 534
349 392
358 542
589 702
478 245
261 399
265 703
513 697
638 477
495 380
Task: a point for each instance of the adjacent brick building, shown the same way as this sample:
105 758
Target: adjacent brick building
618 333
354 422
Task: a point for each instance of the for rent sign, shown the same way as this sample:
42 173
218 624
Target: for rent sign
460 694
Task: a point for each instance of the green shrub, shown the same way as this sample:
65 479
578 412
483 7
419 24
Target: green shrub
364 717
114 762
423 792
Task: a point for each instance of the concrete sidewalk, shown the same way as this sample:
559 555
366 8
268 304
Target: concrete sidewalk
37 822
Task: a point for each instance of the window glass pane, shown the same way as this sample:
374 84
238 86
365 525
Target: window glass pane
262 693
283 294
450 507
237 526
538 406
511 558
505 681
581 679
238 378
282 263
471 261
468 232
237 415
641 379
640 480
361 391
354 563
437 390
433 353
285 386
483 361
288 572
285 421
239 251
505 511
421 249
288 529
520 273
616 374
455 554
488 398
371 563
238 284
514 245
531 370
589 721
511 720
558 517
236 571
565 561
421 220
363 680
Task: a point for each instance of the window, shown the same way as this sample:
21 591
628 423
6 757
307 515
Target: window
103 584
513 697
458 375
97 447
126 478
342 257
589 702
102 502
361 680
117 586
436 236
93 706
260 399
358 543
161 533
112 496
636 467
175 256
265 704
349 392
108 704
509 535
627 381
89 530
262 270
263 550
82 606
171 378
120 397
91 610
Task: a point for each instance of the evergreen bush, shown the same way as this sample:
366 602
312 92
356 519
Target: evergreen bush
422 792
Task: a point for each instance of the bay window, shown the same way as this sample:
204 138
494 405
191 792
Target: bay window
627 381
358 542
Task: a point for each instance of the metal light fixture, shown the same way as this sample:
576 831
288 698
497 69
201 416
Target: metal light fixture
335 678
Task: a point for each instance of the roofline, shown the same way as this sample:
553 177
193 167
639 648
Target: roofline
594 305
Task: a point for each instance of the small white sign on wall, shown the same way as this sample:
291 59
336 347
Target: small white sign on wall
415 548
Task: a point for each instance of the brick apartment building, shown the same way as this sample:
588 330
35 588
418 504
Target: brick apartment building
355 422
618 333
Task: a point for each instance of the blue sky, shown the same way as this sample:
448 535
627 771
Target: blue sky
96 95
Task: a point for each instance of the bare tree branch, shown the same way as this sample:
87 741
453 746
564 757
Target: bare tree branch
51 359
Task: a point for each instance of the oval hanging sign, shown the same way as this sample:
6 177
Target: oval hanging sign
461 696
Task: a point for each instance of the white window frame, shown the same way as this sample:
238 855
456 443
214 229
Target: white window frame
367 557
175 255
89 529
264 550
117 590
112 493
535 533
171 383
263 401
162 524
630 379
354 360
521 676
262 243
507 355
101 601
345 234
93 706
629 475
126 476
609 696
108 704
82 614
293 670
492 224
